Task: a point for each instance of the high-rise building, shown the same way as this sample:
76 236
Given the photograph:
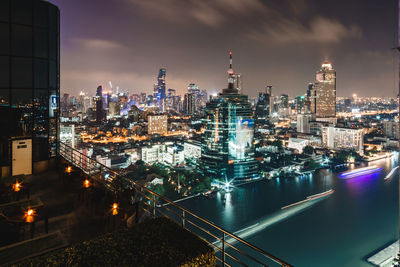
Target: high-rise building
228 139
311 99
325 92
300 103
189 104
284 101
170 99
343 138
391 129
157 124
29 85
303 123
160 88
237 81
263 106
99 105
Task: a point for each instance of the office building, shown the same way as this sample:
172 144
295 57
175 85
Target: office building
263 106
29 86
303 123
189 104
391 129
324 92
159 89
343 138
99 105
157 124
228 139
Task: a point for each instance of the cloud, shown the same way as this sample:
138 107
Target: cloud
97 43
319 30
208 12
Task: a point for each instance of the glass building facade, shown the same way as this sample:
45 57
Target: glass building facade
325 92
228 140
29 77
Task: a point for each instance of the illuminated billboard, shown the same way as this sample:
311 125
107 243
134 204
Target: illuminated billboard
241 140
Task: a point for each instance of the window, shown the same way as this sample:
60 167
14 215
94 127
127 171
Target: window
4 72
41 14
41 103
40 129
21 11
53 44
41 74
4 38
41 43
22 99
4 97
21 73
21 40
53 75
4 10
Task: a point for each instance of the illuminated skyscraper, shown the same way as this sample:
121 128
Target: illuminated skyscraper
325 92
160 88
263 107
228 140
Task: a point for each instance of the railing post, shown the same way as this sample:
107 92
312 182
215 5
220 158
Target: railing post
154 205
183 218
223 249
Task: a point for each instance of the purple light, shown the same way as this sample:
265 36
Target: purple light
359 172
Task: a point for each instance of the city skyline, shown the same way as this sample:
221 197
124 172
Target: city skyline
302 37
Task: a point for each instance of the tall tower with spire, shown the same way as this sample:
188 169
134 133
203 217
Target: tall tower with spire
228 139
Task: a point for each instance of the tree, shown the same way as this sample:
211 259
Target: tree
309 150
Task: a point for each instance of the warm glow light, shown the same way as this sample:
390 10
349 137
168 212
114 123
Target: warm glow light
68 169
115 209
86 183
17 186
29 215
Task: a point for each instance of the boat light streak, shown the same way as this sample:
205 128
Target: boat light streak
359 172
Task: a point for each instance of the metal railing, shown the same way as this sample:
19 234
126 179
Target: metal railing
230 250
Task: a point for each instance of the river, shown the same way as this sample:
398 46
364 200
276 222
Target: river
341 230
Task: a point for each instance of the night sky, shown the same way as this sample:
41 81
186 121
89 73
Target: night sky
277 42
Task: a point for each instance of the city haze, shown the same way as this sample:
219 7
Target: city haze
281 43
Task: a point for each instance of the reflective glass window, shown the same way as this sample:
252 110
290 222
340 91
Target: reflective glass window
41 14
53 50
41 43
53 75
21 73
21 40
4 72
21 11
53 17
41 103
40 129
4 97
4 38
5 10
41 73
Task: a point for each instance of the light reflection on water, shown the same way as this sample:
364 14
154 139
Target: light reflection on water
360 217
